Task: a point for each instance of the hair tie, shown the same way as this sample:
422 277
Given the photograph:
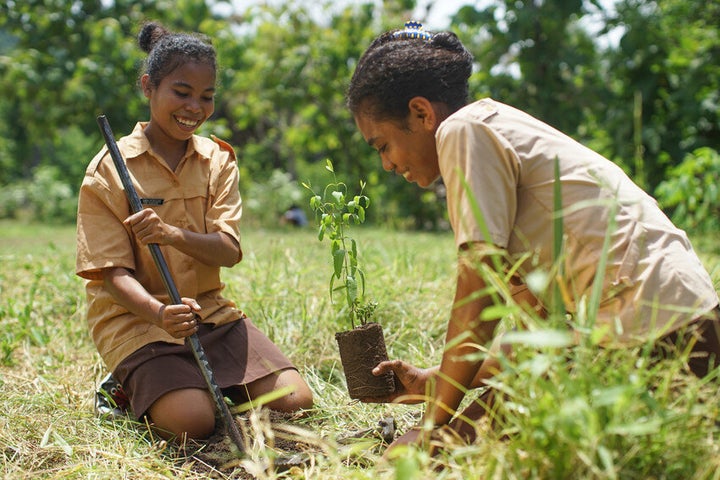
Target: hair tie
413 30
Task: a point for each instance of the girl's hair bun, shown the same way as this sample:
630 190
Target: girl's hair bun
149 35
448 41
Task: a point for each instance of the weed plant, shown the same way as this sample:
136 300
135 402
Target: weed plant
606 414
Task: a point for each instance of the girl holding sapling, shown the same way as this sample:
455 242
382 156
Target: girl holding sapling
408 96
189 186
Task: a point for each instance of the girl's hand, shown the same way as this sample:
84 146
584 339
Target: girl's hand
410 382
180 320
148 227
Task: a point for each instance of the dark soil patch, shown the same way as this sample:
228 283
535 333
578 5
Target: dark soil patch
284 441
279 435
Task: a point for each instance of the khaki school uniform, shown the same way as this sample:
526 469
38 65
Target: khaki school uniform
201 195
654 282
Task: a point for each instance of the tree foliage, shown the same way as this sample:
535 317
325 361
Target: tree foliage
692 191
536 56
666 65
645 101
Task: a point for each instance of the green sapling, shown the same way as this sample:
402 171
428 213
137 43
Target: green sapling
335 210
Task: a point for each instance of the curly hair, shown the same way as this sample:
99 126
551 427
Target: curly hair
167 50
394 69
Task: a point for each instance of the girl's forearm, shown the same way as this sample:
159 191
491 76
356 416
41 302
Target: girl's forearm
215 249
129 293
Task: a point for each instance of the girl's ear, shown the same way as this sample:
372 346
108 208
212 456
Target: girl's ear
145 84
423 111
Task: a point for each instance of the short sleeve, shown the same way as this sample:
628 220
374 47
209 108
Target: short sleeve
102 239
481 177
225 203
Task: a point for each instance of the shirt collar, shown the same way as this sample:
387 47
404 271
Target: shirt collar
137 144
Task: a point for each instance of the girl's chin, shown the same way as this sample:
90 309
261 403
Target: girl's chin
184 133
185 129
423 182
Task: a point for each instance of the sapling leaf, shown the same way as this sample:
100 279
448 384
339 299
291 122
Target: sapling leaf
353 256
352 290
361 214
338 258
329 166
362 281
339 197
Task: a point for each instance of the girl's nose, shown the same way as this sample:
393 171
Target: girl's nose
387 165
193 105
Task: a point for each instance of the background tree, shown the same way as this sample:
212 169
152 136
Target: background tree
537 56
647 102
666 66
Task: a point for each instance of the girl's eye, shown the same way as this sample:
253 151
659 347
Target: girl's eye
208 99
182 94
382 149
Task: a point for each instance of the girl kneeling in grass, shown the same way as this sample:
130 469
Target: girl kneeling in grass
408 96
189 185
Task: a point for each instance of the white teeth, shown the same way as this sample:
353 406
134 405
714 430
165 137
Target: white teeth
186 123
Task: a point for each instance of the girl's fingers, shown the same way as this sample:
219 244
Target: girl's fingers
185 329
388 365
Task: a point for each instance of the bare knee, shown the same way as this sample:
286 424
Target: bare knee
184 414
299 396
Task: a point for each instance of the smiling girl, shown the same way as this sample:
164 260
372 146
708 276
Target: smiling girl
189 187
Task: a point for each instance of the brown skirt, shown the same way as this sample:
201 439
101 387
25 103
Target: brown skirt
238 354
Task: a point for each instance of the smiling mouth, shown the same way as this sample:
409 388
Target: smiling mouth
186 122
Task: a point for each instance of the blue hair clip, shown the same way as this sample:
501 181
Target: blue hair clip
413 30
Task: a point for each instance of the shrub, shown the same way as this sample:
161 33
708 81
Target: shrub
45 198
266 202
691 193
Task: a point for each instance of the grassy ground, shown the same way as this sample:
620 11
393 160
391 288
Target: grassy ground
612 416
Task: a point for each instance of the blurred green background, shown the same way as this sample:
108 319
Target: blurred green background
636 80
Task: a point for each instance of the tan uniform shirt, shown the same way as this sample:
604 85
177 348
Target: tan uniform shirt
201 195
653 280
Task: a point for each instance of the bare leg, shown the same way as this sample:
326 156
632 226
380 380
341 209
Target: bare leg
465 423
300 398
187 413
